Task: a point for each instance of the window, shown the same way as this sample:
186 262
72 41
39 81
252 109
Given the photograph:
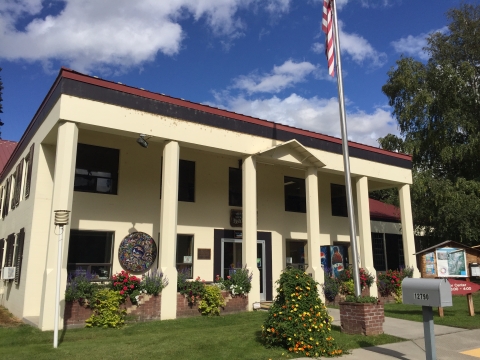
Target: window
378 250
18 185
6 198
296 254
90 251
96 169
294 190
186 181
234 187
2 250
28 165
19 255
185 255
339 200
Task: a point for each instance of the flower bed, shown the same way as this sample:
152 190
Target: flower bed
232 305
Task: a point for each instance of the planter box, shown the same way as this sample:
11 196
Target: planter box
148 308
366 319
232 305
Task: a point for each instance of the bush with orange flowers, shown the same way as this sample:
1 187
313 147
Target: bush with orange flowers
298 320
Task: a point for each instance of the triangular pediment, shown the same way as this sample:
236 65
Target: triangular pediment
290 153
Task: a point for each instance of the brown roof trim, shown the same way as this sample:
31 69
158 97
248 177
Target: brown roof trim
70 74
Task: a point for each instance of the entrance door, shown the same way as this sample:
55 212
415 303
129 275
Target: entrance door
232 260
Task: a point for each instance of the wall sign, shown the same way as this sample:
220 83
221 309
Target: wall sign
236 218
204 254
137 252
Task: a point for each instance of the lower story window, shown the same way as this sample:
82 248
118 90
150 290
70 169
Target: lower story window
185 255
90 252
296 251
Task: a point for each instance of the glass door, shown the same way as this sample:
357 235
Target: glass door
232 260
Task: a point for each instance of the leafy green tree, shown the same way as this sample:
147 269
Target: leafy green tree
437 107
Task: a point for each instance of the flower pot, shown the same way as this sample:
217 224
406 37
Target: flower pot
359 318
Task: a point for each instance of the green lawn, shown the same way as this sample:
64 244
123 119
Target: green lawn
456 315
226 337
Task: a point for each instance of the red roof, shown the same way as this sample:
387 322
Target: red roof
6 149
383 212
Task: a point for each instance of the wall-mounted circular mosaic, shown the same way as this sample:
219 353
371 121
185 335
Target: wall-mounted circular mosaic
137 252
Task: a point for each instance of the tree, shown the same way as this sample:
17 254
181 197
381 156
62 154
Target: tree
1 106
437 107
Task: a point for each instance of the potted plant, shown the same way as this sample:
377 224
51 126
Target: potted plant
361 315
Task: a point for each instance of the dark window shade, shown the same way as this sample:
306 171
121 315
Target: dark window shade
28 180
394 247
10 250
96 169
18 185
2 196
339 200
186 181
294 191
19 255
234 187
6 204
2 249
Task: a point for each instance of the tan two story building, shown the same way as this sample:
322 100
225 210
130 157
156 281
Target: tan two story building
215 189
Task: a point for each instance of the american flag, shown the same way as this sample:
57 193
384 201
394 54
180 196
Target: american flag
327 28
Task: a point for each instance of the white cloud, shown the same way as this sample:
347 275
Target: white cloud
315 114
318 48
413 45
360 50
280 78
340 3
91 34
376 3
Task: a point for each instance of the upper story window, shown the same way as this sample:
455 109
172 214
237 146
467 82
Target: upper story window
96 169
186 181
234 187
294 189
339 200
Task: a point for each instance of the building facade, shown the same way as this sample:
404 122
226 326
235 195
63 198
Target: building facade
216 190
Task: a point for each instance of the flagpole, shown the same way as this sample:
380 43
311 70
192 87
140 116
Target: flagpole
346 159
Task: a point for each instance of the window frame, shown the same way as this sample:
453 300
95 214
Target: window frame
183 265
111 167
89 265
337 193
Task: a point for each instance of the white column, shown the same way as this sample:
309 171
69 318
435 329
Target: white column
407 228
64 176
249 242
168 228
313 228
365 232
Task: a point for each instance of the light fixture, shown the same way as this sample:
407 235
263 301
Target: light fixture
142 141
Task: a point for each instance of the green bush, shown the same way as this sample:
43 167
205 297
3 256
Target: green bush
361 299
79 287
239 283
347 287
298 320
211 302
153 282
192 290
106 309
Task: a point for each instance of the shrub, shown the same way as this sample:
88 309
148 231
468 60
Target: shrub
298 320
366 279
361 299
239 283
127 285
390 282
347 287
193 290
330 288
212 300
153 282
106 309
79 286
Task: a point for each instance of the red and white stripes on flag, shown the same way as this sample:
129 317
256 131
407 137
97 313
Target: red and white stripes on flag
327 28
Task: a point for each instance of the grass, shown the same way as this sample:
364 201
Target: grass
226 337
456 315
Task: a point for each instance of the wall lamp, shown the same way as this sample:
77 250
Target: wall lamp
142 140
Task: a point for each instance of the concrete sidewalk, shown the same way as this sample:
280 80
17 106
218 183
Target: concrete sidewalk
450 342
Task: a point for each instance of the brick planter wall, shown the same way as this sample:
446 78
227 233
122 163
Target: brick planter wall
148 309
232 305
366 319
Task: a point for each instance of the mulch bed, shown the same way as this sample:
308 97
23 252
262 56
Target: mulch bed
7 319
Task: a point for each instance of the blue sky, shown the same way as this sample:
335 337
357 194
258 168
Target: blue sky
263 58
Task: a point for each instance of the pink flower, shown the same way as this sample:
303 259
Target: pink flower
228 277
131 286
121 292
125 288
125 280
